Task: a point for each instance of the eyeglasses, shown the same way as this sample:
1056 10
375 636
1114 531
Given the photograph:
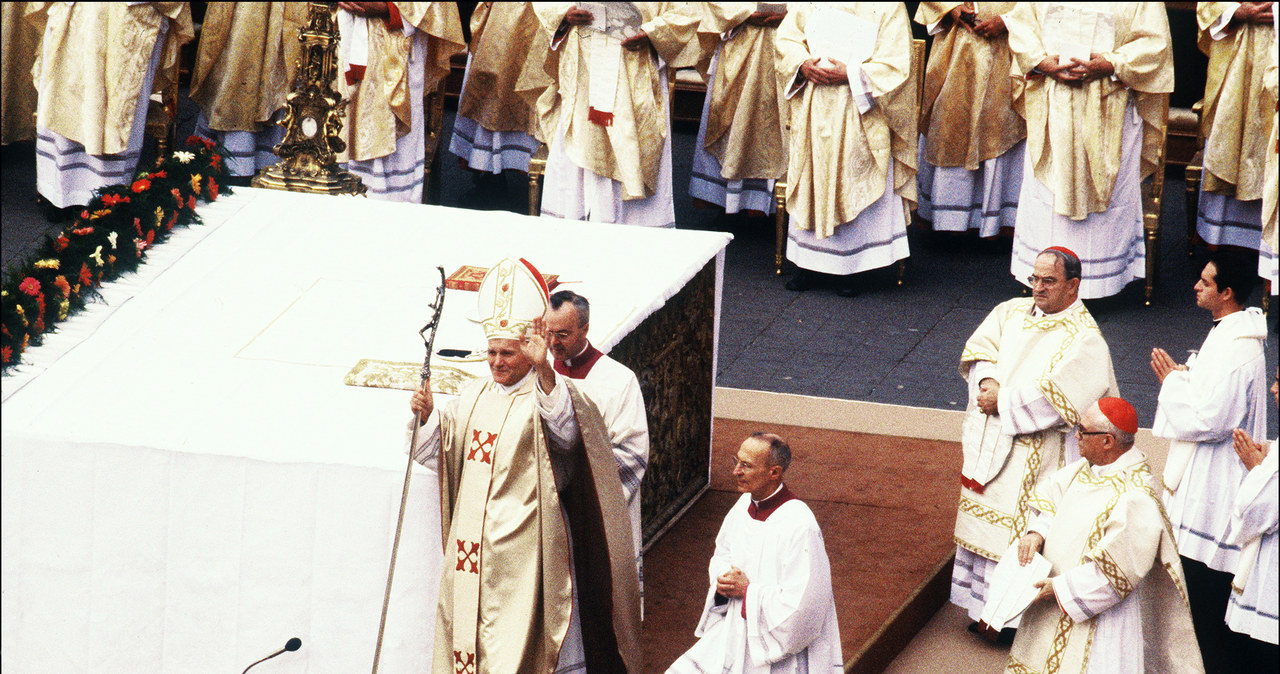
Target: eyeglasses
1080 432
1048 281
734 463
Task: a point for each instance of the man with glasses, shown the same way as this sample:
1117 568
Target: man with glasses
1116 604
1032 366
769 606
615 391
1220 388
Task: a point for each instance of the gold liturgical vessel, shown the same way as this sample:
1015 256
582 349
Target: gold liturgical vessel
308 153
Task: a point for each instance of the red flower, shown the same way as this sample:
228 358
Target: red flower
82 231
86 278
114 200
38 326
191 203
173 219
40 305
177 196
84 215
213 189
159 175
137 226
151 237
60 244
30 286
62 284
6 353
192 140
216 161
141 185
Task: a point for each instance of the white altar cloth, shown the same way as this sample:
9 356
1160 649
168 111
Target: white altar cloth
187 482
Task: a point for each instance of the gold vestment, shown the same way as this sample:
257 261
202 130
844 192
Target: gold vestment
505 36
19 43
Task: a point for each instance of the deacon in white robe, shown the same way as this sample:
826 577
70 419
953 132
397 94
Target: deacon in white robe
1114 602
1094 131
1222 387
606 111
1032 366
971 138
740 149
616 393
494 128
770 607
98 65
1255 515
852 154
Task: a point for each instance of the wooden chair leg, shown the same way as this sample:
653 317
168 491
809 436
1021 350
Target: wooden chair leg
780 223
1192 176
902 271
537 167
1153 253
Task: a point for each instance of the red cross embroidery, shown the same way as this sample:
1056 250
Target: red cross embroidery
478 446
471 555
461 666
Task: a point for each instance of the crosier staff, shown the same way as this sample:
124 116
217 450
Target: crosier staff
428 334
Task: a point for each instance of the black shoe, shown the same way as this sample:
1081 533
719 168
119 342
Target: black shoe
801 282
1006 636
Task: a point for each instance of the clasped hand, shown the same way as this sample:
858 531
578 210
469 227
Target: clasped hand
1077 72
732 583
836 73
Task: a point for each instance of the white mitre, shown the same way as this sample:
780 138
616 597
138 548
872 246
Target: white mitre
511 296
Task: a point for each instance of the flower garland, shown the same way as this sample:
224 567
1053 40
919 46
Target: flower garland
109 238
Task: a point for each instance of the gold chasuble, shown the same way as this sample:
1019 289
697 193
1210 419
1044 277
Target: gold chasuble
1117 522
506 585
102 49
967 116
1271 168
245 65
627 149
379 110
839 158
1074 130
504 38
1065 358
1238 115
747 115
19 44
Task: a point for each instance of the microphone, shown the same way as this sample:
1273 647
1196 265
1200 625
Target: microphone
290 645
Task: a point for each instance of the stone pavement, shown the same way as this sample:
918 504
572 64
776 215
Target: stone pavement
889 344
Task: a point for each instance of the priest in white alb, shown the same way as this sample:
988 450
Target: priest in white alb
851 168
616 393
1220 388
1255 517
1239 39
971 138
540 570
99 62
1033 365
389 56
740 150
1097 77
769 607
604 109
1114 602
496 129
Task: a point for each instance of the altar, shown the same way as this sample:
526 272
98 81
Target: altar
189 479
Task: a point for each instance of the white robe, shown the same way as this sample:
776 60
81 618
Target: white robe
1224 388
247 151
706 181
1255 599
790 623
616 393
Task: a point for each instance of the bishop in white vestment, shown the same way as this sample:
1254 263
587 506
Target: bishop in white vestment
770 607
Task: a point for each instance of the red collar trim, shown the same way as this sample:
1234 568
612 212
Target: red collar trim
580 365
763 509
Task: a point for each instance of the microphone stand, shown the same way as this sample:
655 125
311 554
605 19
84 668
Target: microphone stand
428 334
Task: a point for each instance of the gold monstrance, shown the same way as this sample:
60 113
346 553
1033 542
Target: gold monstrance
308 152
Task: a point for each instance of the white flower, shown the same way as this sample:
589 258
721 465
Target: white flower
183 156
112 238
97 256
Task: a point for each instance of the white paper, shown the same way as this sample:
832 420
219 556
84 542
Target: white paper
618 20
834 34
1076 32
986 449
1012 587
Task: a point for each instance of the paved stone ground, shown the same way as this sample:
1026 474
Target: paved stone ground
889 344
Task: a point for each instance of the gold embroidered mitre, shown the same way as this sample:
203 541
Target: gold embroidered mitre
512 295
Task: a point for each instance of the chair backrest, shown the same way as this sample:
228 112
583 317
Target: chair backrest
917 68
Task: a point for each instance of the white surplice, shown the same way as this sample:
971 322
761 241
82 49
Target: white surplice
1224 388
790 623
1255 596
